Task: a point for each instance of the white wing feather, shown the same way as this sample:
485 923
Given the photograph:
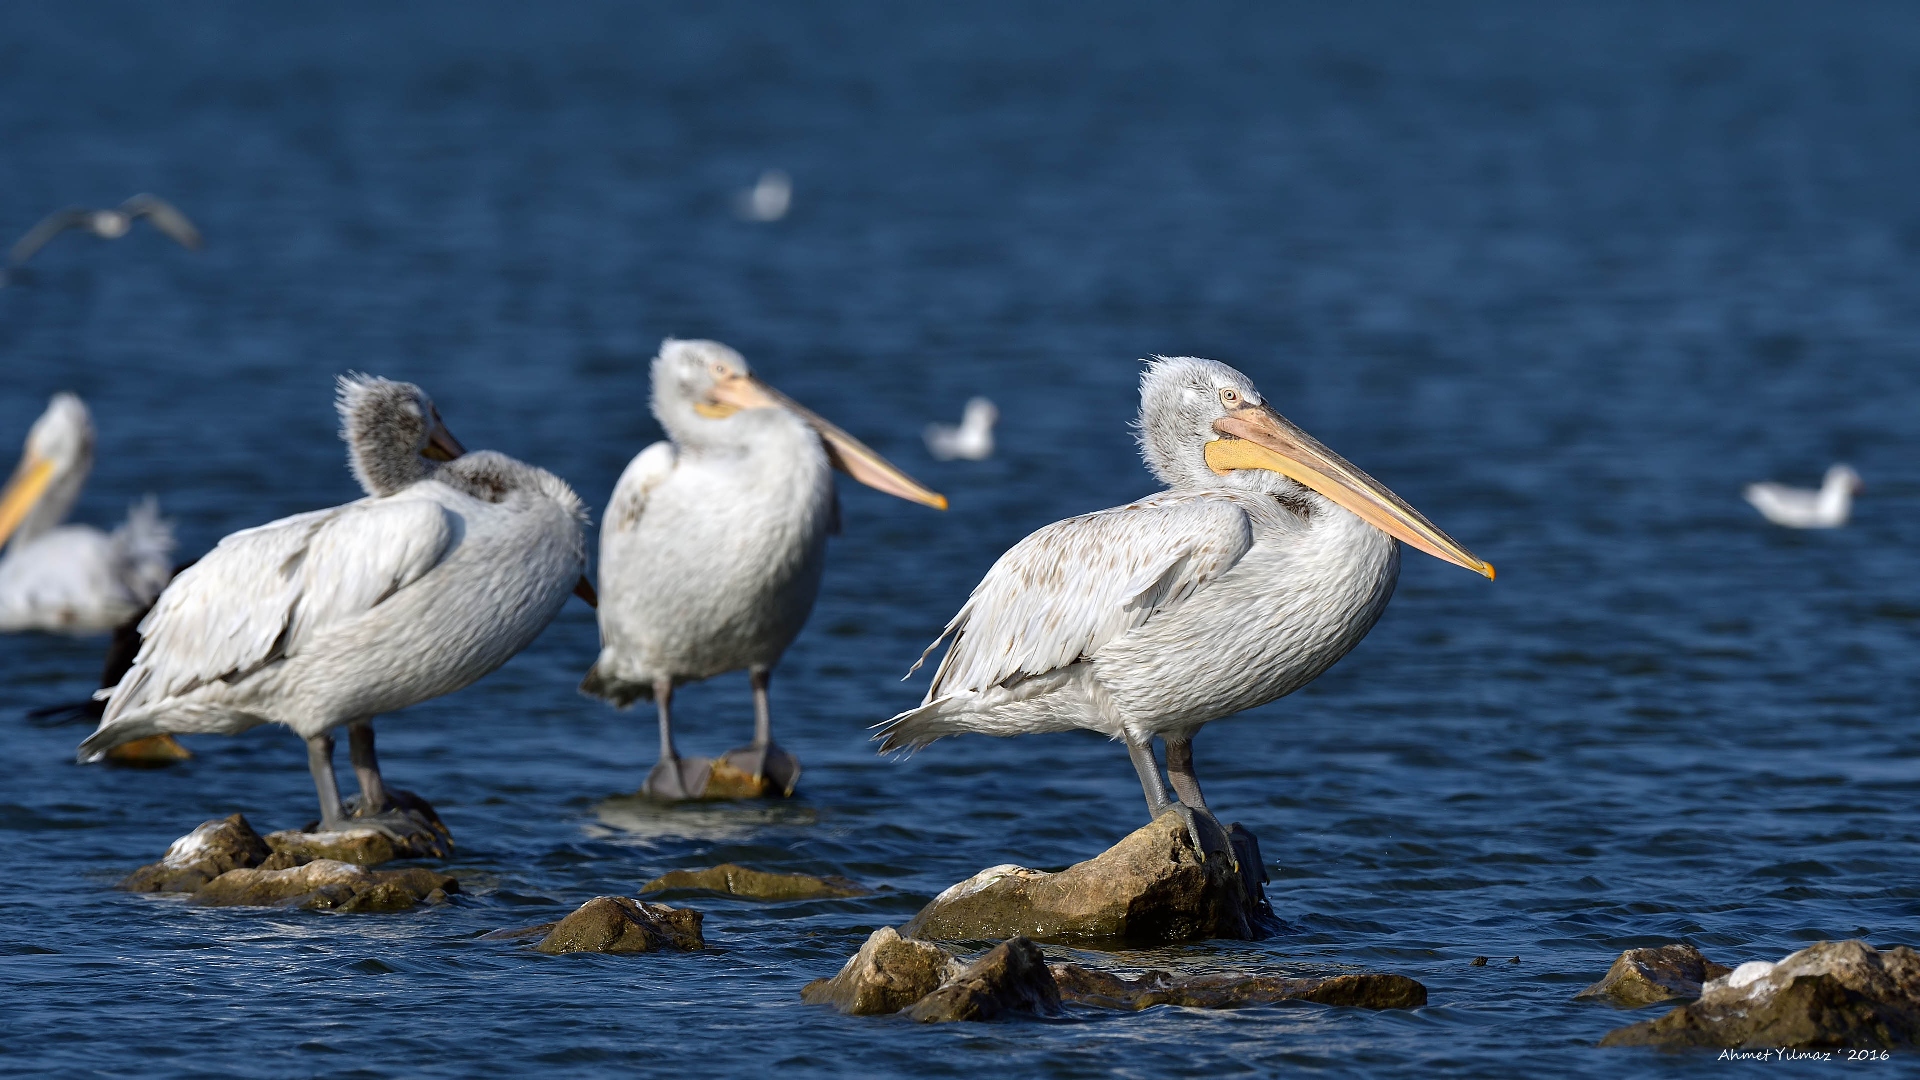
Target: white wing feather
644 473
1072 587
265 592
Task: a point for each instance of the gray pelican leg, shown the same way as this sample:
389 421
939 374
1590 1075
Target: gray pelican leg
405 817
320 763
763 760
1207 832
373 790
1158 802
672 778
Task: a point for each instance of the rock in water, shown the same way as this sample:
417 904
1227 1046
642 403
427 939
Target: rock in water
1830 994
888 974
1649 976
757 884
152 752
618 924
1012 978
1150 887
207 852
326 885
1085 986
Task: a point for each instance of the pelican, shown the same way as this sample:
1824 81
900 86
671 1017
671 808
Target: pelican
712 549
1266 559
767 200
1795 508
108 225
72 578
972 440
451 564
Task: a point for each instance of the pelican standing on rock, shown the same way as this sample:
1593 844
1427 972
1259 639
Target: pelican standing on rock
72 578
453 563
712 549
1266 560
1827 508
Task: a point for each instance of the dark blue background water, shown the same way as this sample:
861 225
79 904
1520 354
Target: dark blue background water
1564 276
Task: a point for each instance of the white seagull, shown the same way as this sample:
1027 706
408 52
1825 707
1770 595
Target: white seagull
712 549
972 440
1796 508
1266 560
767 200
108 225
332 617
72 578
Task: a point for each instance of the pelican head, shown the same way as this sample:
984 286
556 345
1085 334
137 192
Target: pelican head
392 432
1203 424
704 394
53 466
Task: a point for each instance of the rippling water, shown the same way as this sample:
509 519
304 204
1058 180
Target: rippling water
1563 276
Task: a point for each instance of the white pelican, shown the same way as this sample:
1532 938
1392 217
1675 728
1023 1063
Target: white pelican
436 578
1267 558
767 200
1796 508
972 440
72 578
108 225
712 548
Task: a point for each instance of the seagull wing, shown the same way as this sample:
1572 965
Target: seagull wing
263 594
1059 595
50 226
165 217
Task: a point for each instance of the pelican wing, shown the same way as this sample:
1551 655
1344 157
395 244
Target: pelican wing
165 217
1068 589
644 473
50 226
264 593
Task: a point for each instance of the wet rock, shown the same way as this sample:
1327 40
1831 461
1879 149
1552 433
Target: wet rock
619 924
1012 978
1832 994
1150 887
1649 976
1105 990
152 752
408 829
207 852
325 885
757 884
888 974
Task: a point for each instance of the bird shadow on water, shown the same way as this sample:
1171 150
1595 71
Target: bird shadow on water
640 818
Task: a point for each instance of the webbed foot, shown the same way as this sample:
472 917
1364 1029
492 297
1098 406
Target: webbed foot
678 779
772 770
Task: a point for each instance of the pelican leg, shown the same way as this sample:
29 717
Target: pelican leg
673 779
320 763
1158 801
1208 834
770 766
373 790
406 818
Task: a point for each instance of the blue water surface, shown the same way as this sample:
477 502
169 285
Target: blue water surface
1564 275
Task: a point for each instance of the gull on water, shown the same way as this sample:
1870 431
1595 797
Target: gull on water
1265 560
713 545
972 440
72 578
1798 508
452 563
769 199
107 225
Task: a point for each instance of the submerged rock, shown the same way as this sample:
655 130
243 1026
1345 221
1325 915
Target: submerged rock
1150 887
888 974
1100 989
326 885
1830 994
1649 976
1012 978
757 884
207 852
619 924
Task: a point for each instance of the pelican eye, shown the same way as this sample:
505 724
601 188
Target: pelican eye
1229 397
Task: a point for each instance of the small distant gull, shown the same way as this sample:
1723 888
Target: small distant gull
107 225
768 200
1797 508
972 440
